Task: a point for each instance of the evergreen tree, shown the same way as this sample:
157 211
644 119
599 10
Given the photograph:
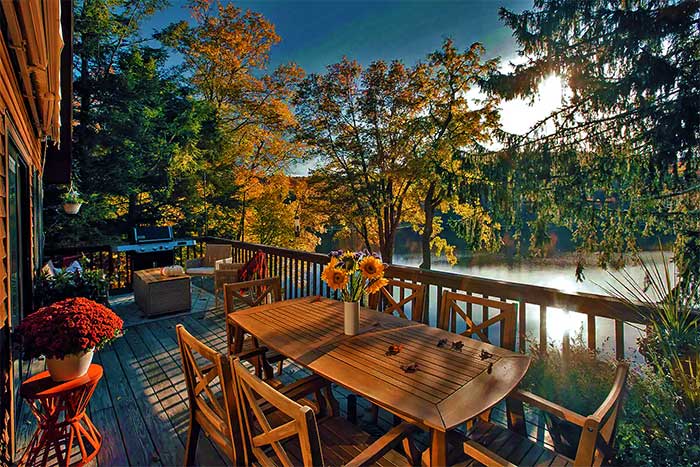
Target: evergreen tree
621 155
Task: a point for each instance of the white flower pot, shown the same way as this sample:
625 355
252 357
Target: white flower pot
72 208
71 366
352 318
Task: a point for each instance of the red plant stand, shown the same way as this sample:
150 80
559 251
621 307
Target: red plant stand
63 424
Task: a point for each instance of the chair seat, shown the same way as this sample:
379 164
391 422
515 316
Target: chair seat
201 271
511 446
341 441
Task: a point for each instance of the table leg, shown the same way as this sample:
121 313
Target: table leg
238 337
438 448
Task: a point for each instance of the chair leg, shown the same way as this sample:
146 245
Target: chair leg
280 366
192 438
352 408
333 404
374 414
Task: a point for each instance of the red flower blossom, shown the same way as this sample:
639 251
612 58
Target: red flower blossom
69 326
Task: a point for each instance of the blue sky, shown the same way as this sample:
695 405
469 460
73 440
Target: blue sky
319 32
316 33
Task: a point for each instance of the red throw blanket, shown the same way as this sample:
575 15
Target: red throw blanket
255 268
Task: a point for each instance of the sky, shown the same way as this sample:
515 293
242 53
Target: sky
315 33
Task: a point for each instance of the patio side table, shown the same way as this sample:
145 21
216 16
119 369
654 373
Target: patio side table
62 422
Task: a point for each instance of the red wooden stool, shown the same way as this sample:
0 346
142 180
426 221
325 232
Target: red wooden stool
63 424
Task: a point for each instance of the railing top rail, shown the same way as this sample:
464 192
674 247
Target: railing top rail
581 302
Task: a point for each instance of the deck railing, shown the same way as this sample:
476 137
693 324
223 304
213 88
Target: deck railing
601 317
300 275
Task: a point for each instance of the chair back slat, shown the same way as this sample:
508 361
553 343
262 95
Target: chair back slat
211 393
598 434
251 293
266 434
387 301
215 252
451 312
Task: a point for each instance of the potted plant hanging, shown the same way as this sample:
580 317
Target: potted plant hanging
67 333
355 274
72 201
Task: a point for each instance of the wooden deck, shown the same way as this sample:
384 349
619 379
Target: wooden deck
140 406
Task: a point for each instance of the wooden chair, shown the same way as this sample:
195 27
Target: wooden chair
213 397
294 436
212 409
248 294
451 311
225 272
491 444
205 266
385 301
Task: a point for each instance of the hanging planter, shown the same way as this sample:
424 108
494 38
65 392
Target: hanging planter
72 201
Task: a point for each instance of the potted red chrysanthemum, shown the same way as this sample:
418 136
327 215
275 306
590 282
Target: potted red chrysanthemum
67 333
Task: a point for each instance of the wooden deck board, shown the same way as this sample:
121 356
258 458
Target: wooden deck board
140 406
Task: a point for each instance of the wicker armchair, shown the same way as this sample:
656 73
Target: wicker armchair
206 266
225 272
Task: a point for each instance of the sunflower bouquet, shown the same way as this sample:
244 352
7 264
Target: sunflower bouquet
354 273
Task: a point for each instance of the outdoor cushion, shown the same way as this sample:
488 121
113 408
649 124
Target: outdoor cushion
203 271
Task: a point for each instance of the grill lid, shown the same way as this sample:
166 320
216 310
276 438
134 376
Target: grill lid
153 234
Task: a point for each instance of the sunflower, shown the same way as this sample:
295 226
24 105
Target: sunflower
334 277
348 261
372 267
376 285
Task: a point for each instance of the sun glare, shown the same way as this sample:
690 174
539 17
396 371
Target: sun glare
519 115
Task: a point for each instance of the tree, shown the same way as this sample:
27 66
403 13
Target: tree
621 155
132 118
452 128
357 122
225 55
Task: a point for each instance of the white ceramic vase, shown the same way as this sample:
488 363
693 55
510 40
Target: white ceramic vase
72 208
352 318
71 366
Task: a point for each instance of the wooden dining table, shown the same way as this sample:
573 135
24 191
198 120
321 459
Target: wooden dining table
448 386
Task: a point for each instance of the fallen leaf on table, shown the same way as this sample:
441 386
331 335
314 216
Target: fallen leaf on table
394 349
442 343
317 298
485 354
412 368
490 368
457 345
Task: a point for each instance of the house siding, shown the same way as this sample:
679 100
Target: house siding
19 124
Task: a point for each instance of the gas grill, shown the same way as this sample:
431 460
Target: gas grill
153 247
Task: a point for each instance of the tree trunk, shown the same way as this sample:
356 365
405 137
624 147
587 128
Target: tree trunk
427 236
132 217
387 249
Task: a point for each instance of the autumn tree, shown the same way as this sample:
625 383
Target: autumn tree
225 57
454 124
358 123
620 157
274 211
